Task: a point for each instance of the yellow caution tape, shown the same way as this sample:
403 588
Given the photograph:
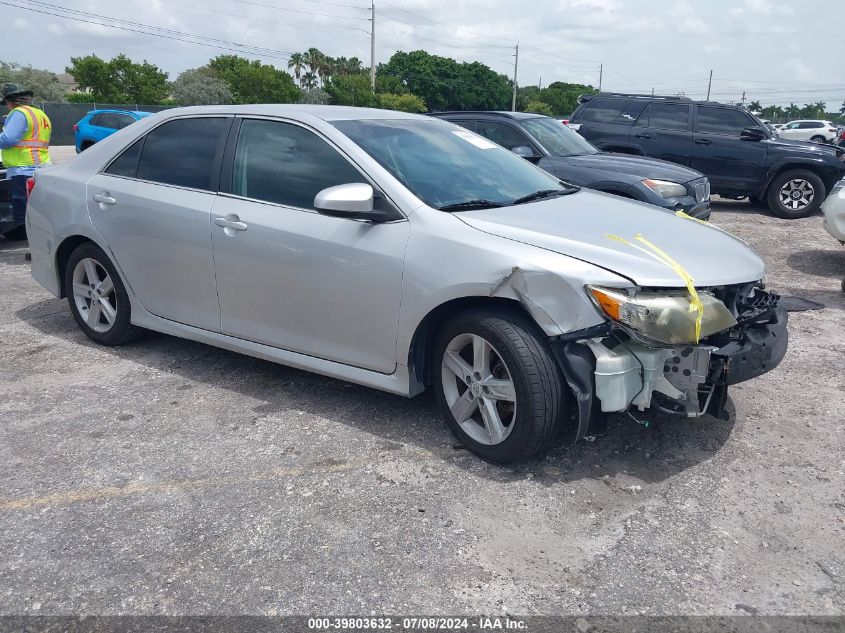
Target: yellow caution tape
663 257
687 216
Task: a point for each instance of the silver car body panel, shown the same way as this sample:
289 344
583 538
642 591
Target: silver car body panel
343 297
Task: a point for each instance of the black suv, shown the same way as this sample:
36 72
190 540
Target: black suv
551 145
734 149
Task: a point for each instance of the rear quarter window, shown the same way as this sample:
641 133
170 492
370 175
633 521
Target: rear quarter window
604 110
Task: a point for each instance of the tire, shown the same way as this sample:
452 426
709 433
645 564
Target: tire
526 400
818 139
17 234
786 183
101 325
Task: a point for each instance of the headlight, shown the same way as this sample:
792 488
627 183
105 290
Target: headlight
665 189
663 317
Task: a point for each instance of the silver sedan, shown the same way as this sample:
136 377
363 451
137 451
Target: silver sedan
402 252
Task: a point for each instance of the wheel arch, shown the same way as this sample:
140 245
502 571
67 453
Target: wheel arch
422 341
817 168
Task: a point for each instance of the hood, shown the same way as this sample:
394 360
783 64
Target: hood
809 148
577 225
639 166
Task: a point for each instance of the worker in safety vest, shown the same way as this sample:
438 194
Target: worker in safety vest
23 143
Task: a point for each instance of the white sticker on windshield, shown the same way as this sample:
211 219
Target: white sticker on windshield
478 141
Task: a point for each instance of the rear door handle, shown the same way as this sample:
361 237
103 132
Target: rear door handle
643 135
703 141
230 224
104 198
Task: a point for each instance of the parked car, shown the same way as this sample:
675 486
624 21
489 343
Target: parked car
403 252
567 155
833 209
98 124
739 155
815 130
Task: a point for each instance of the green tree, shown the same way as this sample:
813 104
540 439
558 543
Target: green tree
315 96
250 81
43 83
755 106
120 80
297 63
792 111
197 87
842 109
79 97
351 90
403 103
539 107
445 84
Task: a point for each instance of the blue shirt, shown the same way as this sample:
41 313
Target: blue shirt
13 131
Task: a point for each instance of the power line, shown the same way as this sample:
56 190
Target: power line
276 8
448 26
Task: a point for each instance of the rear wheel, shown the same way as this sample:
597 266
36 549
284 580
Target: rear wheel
497 384
795 194
819 139
97 297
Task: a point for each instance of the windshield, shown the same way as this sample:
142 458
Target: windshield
557 138
447 166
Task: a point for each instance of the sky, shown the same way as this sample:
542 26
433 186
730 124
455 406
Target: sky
777 51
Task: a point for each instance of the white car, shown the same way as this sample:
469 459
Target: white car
834 214
807 130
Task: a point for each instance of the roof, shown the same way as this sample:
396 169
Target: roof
324 112
501 113
650 97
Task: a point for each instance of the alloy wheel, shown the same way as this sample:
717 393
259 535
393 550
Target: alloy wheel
94 295
796 194
479 389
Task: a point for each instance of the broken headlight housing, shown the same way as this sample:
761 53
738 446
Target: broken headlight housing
662 317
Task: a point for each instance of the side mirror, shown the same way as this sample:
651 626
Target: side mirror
752 134
353 200
523 151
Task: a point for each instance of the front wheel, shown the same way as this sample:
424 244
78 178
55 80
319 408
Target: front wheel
795 194
819 139
97 297
497 384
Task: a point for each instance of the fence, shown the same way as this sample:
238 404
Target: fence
63 116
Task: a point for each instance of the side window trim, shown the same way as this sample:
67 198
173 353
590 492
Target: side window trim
218 156
228 164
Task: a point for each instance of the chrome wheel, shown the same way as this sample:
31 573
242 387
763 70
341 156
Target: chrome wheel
796 194
93 295
478 388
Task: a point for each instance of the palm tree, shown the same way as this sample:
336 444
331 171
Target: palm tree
309 80
315 60
842 109
792 111
297 62
355 66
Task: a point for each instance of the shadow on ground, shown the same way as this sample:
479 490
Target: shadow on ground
651 450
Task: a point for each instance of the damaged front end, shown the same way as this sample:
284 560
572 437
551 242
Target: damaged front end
646 356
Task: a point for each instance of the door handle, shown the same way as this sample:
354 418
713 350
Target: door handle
231 223
703 141
104 198
643 135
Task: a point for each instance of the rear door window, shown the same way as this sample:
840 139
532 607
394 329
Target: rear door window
666 116
604 110
502 134
113 120
711 120
184 152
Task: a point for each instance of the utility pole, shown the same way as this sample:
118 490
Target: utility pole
373 45
515 64
601 72
709 83
743 98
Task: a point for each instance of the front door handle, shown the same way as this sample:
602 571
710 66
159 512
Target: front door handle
703 141
104 198
231 224
643 135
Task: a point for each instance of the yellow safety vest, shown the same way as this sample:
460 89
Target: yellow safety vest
32 148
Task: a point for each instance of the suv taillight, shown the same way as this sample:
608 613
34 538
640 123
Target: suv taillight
30 185
75 127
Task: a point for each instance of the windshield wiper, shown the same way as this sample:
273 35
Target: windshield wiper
471 204
545 193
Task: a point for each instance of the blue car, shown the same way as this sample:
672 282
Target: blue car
98 124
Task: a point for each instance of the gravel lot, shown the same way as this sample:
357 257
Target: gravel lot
168 477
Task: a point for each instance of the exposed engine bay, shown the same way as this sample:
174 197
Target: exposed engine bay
628 371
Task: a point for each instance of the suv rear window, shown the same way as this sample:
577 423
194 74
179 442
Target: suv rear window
604 110
666 116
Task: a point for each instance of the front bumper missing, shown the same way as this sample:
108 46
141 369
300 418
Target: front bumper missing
608 373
